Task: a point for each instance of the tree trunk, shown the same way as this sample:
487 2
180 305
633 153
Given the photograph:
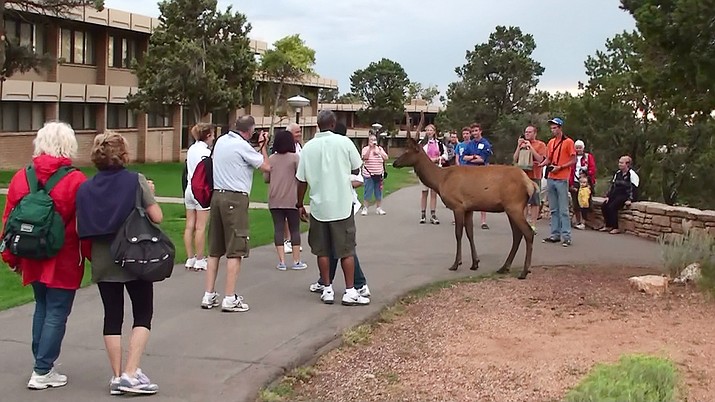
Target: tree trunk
279 92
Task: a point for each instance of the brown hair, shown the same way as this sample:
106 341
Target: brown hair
476 125
202 131
465 128
109 151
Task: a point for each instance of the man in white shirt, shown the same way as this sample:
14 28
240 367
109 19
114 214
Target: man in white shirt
326 163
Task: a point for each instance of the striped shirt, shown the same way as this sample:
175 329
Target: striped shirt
372 160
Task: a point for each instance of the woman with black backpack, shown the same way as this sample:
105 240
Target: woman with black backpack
103 204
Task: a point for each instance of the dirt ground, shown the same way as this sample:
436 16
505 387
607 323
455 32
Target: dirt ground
511 340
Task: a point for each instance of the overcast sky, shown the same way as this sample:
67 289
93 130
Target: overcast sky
428 38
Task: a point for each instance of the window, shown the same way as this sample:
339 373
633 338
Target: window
119 116
162 119
27 34
21 116
122 51
81 116
77 47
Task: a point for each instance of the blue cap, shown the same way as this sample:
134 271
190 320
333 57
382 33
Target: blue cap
557 120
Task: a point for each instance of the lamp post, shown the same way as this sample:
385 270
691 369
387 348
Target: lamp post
376 127
298 103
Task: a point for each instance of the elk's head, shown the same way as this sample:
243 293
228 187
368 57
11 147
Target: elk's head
410 156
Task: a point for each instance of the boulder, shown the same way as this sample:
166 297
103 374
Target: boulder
690 273
649 284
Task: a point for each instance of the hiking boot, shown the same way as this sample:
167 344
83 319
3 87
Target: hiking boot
52 379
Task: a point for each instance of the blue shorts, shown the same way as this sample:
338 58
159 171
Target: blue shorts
373 188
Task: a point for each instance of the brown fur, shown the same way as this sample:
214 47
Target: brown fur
465 189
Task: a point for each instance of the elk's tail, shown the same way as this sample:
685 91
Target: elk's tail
531 186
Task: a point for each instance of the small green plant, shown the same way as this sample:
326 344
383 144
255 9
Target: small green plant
358 335
286 386
636 378
679 251
388 314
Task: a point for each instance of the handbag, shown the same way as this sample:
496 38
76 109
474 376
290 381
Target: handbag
525 160
142 248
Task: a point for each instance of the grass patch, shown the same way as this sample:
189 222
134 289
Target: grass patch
12 293
694 246
285 387
633 378
358 335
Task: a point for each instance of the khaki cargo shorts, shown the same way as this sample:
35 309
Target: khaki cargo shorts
228 225
335 235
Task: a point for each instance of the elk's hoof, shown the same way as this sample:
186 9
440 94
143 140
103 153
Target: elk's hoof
503 270
475 266
522 275
454 266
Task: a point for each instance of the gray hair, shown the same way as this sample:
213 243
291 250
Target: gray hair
292 126
245 124
326 119
56 139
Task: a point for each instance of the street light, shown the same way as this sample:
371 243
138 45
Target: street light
298 103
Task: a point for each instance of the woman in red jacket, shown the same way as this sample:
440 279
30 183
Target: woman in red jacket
54 280
585 162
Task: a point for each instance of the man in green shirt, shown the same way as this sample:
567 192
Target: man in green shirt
325 165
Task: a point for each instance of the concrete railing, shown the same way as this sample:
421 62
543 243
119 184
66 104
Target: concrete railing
651 219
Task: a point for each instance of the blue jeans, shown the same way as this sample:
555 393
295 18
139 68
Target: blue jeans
360 280
559 206
52 307
373 188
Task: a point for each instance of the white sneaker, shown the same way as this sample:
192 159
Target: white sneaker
328 296
316 287
52 379
201 264
190 263
380 211
234 304
287 247
364 291
139 384
210 301
363 212
581 226
353 298
298 266
114 386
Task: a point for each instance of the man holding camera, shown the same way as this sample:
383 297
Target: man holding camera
535 152
561 155
234 160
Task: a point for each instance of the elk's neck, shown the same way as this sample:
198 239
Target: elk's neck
429 173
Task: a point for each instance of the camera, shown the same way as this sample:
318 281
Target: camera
549 169
255 138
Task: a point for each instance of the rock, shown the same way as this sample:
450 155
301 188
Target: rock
370 376
689 274
649 284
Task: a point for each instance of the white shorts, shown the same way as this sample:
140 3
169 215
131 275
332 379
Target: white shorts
424 186
190 202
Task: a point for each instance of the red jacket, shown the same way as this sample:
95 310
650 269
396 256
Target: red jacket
66 269
589 163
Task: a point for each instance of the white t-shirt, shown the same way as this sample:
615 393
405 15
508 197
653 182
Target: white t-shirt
356 200
234 161
298 148
194 154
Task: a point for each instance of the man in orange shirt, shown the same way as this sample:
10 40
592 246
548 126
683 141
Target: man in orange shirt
528 142
560 156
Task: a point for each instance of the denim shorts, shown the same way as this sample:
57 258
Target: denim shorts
373 188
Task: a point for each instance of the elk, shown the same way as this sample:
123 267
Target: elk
465 189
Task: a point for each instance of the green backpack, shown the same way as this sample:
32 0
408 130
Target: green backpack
34 229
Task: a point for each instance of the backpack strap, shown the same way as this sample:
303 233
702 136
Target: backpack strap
57 176
31 176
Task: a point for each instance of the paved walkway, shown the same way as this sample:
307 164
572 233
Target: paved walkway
199 355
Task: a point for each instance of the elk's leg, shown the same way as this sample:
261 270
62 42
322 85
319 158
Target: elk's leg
458 227
469 226
528 233
516 239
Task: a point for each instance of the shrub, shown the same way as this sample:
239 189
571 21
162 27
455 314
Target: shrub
679 251
635 378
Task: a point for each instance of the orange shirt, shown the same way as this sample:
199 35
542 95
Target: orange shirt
560 152
540 148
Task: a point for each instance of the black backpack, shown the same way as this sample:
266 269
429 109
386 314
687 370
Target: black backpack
142 248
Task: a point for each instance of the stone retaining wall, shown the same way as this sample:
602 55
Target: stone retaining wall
651 219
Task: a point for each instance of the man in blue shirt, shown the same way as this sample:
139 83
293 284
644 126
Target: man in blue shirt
462 146
478 151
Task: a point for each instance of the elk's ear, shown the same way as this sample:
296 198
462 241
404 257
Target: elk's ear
411 143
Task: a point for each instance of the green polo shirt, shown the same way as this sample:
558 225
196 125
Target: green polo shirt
325 164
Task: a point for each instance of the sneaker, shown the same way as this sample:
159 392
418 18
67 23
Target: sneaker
52 379
190 263
300 265
234 304
363 211
210 301
423 219
114 386
433 220
201 264
580 226
281 266
328 296
550 240
566 243
353 298
316 287
364 291
380 211
139 384
287 247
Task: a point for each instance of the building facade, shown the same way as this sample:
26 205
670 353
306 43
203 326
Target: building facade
89 85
